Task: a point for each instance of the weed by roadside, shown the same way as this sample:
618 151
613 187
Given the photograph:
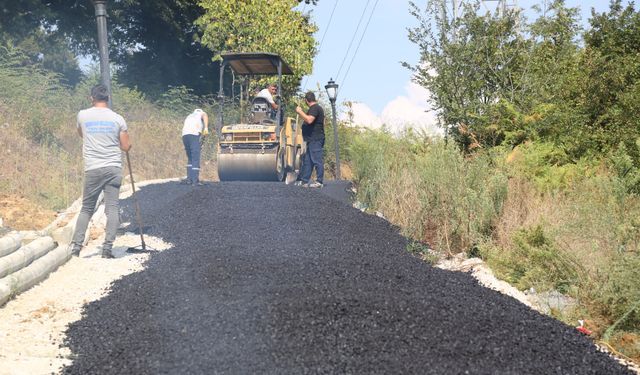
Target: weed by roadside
424 252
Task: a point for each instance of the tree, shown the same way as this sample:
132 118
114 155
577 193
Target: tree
554 53
611 65
496 79
261 26
29 26
154 43
469 64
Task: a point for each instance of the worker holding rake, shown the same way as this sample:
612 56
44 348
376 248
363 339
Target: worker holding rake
104 137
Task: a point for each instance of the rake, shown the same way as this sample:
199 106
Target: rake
142 248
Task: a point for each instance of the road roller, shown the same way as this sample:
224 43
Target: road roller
264 146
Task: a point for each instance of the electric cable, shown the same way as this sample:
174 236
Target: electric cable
328 24
344 78
364 11
304 87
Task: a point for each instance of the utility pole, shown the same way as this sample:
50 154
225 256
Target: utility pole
103 44
455 9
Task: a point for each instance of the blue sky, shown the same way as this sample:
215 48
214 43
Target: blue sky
376 77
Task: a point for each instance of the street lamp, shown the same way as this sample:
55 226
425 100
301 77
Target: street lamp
332 92
103 46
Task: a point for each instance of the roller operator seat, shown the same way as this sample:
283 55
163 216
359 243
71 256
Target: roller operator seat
260 110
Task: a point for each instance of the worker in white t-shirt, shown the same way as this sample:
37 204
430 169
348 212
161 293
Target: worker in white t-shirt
195 125
268 93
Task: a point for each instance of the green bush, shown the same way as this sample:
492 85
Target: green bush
549 167
626 169
372 157
539 264
619 293
180 99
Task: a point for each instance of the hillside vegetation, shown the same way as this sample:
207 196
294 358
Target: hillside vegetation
573 228
539 171
42 153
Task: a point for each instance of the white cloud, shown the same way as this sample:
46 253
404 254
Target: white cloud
405 111
364 116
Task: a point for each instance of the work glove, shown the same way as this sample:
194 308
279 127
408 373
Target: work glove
205 132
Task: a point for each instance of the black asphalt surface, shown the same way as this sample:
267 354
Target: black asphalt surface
276 279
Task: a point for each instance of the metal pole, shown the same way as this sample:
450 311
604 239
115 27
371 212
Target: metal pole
103 45
136 204
220 98
335 139
279 113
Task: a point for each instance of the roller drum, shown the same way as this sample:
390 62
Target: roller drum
247 166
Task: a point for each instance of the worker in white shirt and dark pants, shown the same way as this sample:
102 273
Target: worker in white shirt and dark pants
195 126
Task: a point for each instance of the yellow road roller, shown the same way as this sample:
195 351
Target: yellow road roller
265 145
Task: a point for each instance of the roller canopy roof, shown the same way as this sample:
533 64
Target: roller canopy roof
255 63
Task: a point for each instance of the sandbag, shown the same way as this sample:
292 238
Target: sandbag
25 255
31 275
10 243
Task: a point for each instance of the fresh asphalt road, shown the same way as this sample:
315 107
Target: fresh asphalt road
269 278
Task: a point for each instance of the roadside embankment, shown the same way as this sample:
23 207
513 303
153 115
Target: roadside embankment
42 303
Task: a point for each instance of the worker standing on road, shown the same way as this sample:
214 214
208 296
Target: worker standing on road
104 137
195 125
313 135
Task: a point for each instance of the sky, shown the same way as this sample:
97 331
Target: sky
377 83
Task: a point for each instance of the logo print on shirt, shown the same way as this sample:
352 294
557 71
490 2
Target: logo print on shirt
100 127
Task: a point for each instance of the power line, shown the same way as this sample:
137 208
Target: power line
344 79
328 24
304 87
353 38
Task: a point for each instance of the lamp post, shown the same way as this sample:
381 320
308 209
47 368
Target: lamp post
103 46
332 92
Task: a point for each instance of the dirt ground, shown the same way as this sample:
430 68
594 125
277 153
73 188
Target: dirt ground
19 213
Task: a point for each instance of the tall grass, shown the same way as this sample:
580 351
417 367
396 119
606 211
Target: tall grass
429 189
